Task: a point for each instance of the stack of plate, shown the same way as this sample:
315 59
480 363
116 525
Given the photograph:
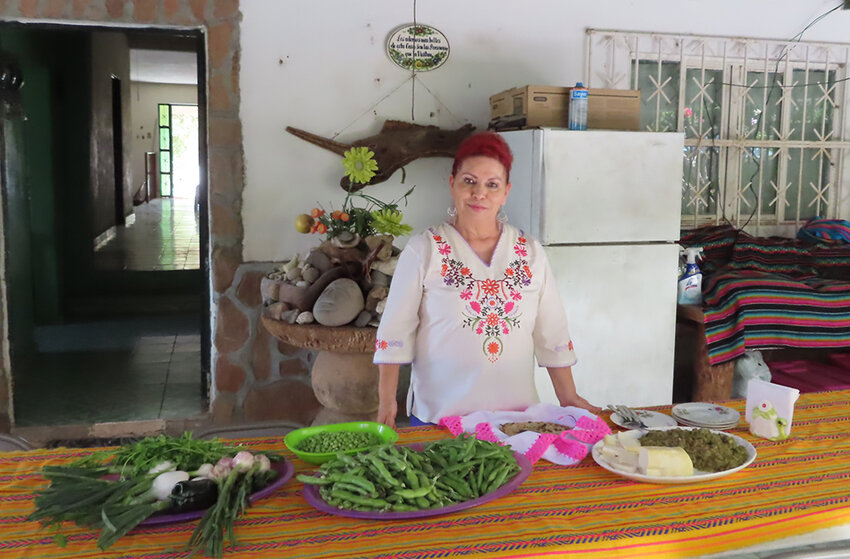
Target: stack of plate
704 414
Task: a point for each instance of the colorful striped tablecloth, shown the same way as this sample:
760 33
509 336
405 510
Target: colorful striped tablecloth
793 487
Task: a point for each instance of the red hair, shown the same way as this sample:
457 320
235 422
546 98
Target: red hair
486 144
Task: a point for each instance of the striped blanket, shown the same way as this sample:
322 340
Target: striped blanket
746 309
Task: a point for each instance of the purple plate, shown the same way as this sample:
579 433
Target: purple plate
284 470
311 493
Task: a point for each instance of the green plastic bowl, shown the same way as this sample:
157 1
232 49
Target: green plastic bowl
291 440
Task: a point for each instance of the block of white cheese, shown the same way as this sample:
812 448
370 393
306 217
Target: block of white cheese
621 458
621 453
662 461
630 440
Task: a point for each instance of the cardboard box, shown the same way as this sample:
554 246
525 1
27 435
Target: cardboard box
532 106
613 109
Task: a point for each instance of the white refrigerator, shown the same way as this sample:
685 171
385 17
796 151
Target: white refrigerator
606 205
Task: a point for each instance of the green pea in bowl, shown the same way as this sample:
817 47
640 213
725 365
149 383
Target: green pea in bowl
320 443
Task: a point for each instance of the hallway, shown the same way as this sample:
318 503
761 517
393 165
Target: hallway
122 364
160 235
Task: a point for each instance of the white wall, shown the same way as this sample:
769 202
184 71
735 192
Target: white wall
321 66
145 117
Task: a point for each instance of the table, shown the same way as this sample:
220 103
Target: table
794 487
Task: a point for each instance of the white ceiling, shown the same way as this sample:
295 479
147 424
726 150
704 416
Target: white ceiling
163 66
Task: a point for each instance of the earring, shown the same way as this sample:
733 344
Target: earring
501 217
452 211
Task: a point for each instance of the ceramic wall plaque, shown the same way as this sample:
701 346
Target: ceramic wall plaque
420 48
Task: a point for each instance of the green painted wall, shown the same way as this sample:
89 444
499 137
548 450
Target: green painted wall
52 197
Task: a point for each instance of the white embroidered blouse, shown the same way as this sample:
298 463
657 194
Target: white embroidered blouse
470 330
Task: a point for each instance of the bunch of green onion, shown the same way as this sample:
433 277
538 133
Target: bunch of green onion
101 495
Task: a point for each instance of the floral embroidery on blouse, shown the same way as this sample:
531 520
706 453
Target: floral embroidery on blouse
384 344
491 309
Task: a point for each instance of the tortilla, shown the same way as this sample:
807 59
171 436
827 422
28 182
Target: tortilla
511 429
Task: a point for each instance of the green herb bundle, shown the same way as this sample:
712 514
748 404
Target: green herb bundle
114 491
217 525
81 495
185 452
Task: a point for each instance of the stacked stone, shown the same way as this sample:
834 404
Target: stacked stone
335 284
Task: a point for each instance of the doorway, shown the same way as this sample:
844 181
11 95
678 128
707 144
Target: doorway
105 335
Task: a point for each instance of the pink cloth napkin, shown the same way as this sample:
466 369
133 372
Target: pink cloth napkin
581 430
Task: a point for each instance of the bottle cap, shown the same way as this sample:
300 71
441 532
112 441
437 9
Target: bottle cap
579 84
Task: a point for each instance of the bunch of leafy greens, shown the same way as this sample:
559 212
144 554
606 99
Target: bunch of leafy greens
114 490
186 452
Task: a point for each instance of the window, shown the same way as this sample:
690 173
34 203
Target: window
166 162
763 131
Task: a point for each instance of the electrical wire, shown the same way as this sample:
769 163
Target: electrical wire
413 69
757 159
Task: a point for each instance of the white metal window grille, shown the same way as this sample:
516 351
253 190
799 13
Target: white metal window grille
765 133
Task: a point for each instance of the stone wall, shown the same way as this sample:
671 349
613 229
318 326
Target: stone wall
258 378
254 377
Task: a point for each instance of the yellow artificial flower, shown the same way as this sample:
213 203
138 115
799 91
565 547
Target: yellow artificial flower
359 165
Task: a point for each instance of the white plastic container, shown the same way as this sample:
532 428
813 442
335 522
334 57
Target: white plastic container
770 409
578 107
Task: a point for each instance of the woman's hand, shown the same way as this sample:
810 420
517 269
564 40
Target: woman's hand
579 402
565 390
387 412
387 386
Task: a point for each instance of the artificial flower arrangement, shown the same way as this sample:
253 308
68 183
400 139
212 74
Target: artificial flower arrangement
115 491
352 223
345 279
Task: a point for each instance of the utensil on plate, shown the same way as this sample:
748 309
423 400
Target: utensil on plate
629 417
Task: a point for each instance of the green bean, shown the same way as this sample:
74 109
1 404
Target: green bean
359 481
412 479
473 483
459 485
358 500
499 479
389 478
382 470
392 457
356 489
479 477
304 478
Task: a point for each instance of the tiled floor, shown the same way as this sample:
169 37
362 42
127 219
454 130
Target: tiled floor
112 370
133 366
160 235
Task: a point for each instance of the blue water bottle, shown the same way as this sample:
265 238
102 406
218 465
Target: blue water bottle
578 107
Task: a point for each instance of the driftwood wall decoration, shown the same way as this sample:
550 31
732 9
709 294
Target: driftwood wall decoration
397 144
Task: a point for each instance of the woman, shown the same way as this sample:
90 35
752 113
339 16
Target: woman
472 302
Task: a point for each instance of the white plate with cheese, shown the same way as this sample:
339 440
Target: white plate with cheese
610 461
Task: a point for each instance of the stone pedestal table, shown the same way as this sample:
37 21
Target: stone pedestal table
343 376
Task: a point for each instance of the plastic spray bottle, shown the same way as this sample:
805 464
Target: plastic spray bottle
690 284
